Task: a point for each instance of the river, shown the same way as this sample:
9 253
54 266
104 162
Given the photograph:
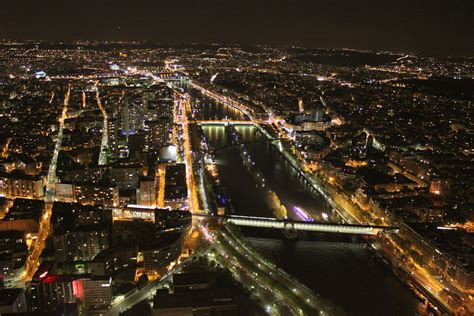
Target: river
346 273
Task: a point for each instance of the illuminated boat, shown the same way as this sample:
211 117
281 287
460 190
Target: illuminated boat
302 213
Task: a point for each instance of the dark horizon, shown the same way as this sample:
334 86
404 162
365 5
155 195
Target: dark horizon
157 44
426 28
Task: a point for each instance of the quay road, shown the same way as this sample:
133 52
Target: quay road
280 293
427 280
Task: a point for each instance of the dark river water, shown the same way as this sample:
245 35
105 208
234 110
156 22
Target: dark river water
347 273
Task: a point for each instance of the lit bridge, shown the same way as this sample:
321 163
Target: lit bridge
265 222
224 122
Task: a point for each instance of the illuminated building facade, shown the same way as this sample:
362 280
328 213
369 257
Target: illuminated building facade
112 129
24 186
13 251
95 294
113 259
147 192
157 255
158 133
80 245
126 177
65 192
49 291
96 195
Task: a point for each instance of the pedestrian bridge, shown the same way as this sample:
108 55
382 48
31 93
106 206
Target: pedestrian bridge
265 222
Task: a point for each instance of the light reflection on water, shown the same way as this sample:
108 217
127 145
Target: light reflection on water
343 273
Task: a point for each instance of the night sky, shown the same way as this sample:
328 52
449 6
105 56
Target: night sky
431 27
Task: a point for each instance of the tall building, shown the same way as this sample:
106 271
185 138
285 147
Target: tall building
133 115
82 244
95 293
437 187
124 117
176 191
300 105
112 128
49 291
80 232
158 132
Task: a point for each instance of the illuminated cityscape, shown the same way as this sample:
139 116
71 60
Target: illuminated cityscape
128 173
139 178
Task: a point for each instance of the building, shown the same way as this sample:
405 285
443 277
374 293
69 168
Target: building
24 215
87 175
81 244
112 129
80 232
21 162
198 302
313 120
13 252
136 144
437 187
12 301
65 192
134 212
132 114
112 260
147 192
96 195
20 185
447 251
300 105
87 194
157 242
48 291
167 153
4 205
95 293
194 294
159 253
192 281
126 177
314 144
158 132
176 191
